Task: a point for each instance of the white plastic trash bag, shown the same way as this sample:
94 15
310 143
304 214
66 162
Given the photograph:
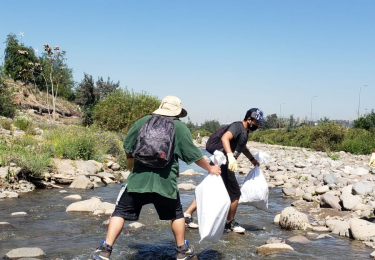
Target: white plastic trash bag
254 190
218 158
213 203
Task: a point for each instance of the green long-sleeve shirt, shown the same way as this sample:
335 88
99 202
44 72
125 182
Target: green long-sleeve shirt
160 180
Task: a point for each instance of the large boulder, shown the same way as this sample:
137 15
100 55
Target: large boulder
361 229
82 182
330 200
363 188
292 219
88 167
90 205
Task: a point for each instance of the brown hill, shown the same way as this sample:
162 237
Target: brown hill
40 105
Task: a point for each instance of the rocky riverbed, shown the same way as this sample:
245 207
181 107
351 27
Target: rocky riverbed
333 193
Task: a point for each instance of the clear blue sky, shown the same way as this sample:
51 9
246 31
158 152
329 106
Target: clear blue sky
220 57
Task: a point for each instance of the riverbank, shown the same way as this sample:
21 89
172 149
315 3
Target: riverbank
325 187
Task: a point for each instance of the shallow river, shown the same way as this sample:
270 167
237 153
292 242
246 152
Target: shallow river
74 235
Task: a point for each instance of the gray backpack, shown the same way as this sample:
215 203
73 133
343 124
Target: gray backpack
155 142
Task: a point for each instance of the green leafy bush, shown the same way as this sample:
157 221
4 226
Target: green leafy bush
83 143
328 137
6 123
120 109
7 108
358 141
22 120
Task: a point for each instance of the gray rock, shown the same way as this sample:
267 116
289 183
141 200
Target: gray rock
136 225
115 166
5 225
329 200
3 172
341 227
82 182
292 219
25 252
298 240
322 189
362 229
329 179
363 188
289 191
273 248
315 172
359 171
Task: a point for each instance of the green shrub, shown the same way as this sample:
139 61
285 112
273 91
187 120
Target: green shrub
6 123
7 108
22 120
333 156
120 109
83 143
358 141
201 133
27 153
328 137
33 164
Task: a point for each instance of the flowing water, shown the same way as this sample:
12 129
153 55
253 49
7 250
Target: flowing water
65 235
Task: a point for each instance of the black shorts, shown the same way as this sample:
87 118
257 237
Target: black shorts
129 205
230 182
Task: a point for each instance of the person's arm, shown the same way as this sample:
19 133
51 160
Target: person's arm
251 158
210 168
225 140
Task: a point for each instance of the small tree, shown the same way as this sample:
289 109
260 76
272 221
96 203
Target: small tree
366 122
190 125
210 125
17 59
272 122
105 88
86 97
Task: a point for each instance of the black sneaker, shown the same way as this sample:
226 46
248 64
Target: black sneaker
189 222
102 252
235 227
186 254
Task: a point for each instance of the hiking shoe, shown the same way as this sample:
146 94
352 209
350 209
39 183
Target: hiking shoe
234 226
103 252
189 222
186 254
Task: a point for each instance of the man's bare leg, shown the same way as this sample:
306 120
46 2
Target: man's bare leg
114 229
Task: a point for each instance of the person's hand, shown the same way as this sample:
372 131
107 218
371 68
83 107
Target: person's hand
215 170
232 163
372 160
129 164
255 162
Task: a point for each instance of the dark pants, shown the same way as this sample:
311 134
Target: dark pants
230 182
129 205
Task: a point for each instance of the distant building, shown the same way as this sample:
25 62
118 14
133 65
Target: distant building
347 123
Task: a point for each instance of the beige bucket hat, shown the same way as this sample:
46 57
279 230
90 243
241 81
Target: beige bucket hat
171 106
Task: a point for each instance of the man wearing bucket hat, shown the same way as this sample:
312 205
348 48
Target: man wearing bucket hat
232 143
157 186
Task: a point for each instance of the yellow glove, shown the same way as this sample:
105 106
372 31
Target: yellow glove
232 163
129 164
372 160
